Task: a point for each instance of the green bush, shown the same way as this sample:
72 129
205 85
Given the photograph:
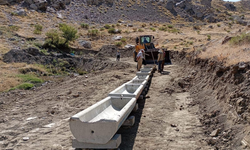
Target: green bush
123 39
69 33
23 86
153 29
170 26
53 39
102 29
30 78
93 32
56 40
240 39
107 26
118 44
38 29
111 31
140 30
85 25
163 28
208 37
14 28
81 72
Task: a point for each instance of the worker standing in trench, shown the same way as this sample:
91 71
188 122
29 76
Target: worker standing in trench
140 56
160 60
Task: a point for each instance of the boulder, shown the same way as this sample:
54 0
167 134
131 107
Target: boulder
230 6
59 16
33 6
41 4
117 38
20 12
170 5
129 46
130 25
206 2
4 2
85 44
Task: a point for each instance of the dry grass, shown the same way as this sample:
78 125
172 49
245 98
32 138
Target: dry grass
9 72
227 53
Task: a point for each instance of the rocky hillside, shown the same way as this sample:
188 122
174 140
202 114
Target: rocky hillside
108 11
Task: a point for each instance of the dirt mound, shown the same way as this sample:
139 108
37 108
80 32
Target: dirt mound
33 55
85 62
110 51
97 64
222 94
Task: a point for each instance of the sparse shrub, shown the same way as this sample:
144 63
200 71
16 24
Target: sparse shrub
85 25
208 37
170 26
14 28
118 25
38 29
118 44
231 18
240 39
140 30
198 32
123 40
93 32
81 72
111 31
191 43
173 30
218 25
13 14
107 26
101 29
196 27
30 78
44 51
69 33
127 31
143 25
23 86
39 45
56 39
53 39
112 25
163 28
153 29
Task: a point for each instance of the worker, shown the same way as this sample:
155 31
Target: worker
163 62
159 60
118 55
140 56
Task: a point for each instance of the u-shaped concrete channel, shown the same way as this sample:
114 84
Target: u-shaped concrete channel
96 126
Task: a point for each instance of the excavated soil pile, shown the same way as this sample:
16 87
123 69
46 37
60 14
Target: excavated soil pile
84 62
223 95
110 51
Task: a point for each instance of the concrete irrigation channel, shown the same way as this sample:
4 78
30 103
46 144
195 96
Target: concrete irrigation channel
96 126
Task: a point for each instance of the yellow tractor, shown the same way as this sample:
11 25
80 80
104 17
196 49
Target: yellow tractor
145 42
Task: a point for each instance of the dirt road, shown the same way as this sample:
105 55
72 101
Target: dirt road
38 119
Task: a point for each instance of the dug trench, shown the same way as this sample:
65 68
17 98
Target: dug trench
222 94
194 104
